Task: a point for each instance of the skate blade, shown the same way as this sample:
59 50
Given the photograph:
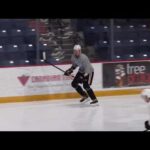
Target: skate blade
85 101
96 104
146 130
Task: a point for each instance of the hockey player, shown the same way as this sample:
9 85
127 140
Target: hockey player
84 75
146 96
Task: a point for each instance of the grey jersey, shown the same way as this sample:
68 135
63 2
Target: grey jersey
83 63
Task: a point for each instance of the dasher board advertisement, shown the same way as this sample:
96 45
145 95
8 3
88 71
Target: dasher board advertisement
126 74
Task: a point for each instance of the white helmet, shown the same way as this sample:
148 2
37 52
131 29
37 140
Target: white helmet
77 47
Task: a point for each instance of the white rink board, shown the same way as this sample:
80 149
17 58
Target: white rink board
41 80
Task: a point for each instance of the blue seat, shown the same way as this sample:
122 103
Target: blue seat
17 40
20 23
16 55
87 22
144 34
13 56
7 63
102 28
2 49
5 20
125 35
3 33
143 27
122 50
31 55
91 36
103 43
29 32
26 47
118 43
30 36
12 48
145 48
4 40
104 36
117 57
142 55
23 62
144 42
30 39
128 56
16 32
118 28
80 24
44 47
102 52
119 50
5 24
130 28
17 36
130 42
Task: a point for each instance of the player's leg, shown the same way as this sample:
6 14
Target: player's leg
146 97
78 88
147 125
86 84
147 122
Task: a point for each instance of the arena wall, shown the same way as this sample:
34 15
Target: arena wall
21 84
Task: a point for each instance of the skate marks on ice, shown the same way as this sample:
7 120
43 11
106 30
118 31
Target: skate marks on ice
115 113
86 103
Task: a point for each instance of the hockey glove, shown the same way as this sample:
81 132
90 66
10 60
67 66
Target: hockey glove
68 72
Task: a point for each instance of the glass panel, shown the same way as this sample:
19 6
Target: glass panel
131 38
30 41
17 42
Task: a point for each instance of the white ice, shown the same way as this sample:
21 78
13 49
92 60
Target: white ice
114 113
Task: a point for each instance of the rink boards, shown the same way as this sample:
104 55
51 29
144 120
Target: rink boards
30 83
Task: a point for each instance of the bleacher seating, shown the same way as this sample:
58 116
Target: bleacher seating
14 33
131 37
18 39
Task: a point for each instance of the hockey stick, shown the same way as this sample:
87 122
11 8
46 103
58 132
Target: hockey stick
44 58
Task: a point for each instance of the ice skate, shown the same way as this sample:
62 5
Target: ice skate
147 126
95 101
84 99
